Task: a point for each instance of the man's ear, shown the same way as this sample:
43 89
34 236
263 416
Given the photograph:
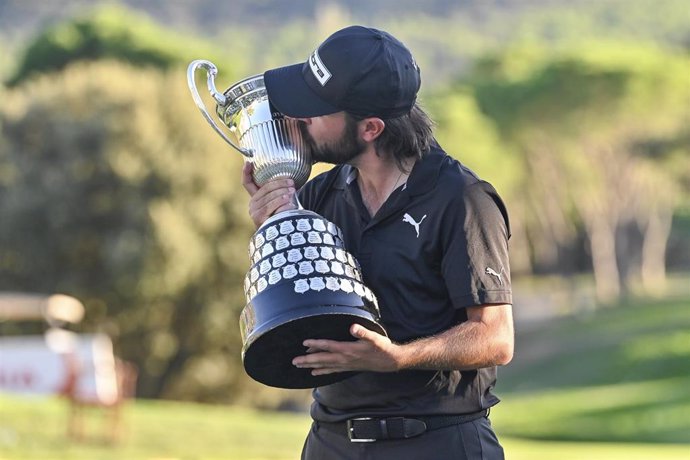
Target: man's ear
371 128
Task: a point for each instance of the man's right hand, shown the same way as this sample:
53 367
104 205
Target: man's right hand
273 197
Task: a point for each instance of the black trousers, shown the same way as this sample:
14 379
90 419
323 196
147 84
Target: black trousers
473 440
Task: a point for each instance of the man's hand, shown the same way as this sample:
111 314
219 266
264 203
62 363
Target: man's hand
273 197
484 340
371 352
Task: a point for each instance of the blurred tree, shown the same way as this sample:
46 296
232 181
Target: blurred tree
471 137
470 27
113 189
6 61
592 128
111 32
120 194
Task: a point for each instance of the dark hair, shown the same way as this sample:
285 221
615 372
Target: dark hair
406 136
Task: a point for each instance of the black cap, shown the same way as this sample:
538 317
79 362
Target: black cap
360 70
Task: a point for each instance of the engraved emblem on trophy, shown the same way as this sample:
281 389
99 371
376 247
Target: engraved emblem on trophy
302 282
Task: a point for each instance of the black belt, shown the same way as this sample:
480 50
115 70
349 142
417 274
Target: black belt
370 429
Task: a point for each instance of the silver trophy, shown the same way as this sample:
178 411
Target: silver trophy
302 282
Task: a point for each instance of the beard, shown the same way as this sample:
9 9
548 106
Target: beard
340 151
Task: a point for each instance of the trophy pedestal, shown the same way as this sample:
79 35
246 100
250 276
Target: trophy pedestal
303 284
268 358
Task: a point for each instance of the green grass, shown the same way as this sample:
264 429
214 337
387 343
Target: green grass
611 385
35 429
519 449
617 375
614 345
653 411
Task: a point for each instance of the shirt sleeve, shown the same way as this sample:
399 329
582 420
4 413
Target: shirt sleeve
475 236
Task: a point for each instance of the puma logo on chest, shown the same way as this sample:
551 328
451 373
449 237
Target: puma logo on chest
410 220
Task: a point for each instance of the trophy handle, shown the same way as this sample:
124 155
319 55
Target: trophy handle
211 72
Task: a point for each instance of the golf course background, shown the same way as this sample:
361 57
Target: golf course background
114 190
612 385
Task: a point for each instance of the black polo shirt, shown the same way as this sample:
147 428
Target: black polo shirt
437 245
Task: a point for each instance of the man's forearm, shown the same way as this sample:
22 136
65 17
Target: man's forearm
484 341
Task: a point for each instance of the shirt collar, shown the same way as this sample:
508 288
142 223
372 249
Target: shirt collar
423 177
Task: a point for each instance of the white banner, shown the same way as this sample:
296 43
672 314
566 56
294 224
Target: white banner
50 364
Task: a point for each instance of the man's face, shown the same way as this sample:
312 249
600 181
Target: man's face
332 138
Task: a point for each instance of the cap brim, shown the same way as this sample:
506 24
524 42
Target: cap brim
291 95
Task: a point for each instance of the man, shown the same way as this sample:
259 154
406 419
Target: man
431 239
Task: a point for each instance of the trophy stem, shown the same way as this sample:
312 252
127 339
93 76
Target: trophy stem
296 202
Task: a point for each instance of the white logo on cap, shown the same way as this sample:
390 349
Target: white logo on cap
319 70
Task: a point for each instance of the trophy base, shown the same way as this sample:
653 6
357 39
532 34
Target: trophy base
302 284
268 358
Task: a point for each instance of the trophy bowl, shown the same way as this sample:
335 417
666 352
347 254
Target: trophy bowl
302 283
269 140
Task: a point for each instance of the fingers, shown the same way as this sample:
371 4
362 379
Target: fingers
372 351
360 332
366 336
272 193
325 371
274 196
322 362
330 354
247 179
318 359
286 207
322 351
335 346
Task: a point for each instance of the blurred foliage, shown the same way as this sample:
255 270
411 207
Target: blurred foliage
601 133
445 35
468 134
118 193
6 61
471 137
111 32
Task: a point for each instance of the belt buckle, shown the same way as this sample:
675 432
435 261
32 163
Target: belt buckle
351 430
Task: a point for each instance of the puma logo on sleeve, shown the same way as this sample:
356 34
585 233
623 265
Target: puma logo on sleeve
492 272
